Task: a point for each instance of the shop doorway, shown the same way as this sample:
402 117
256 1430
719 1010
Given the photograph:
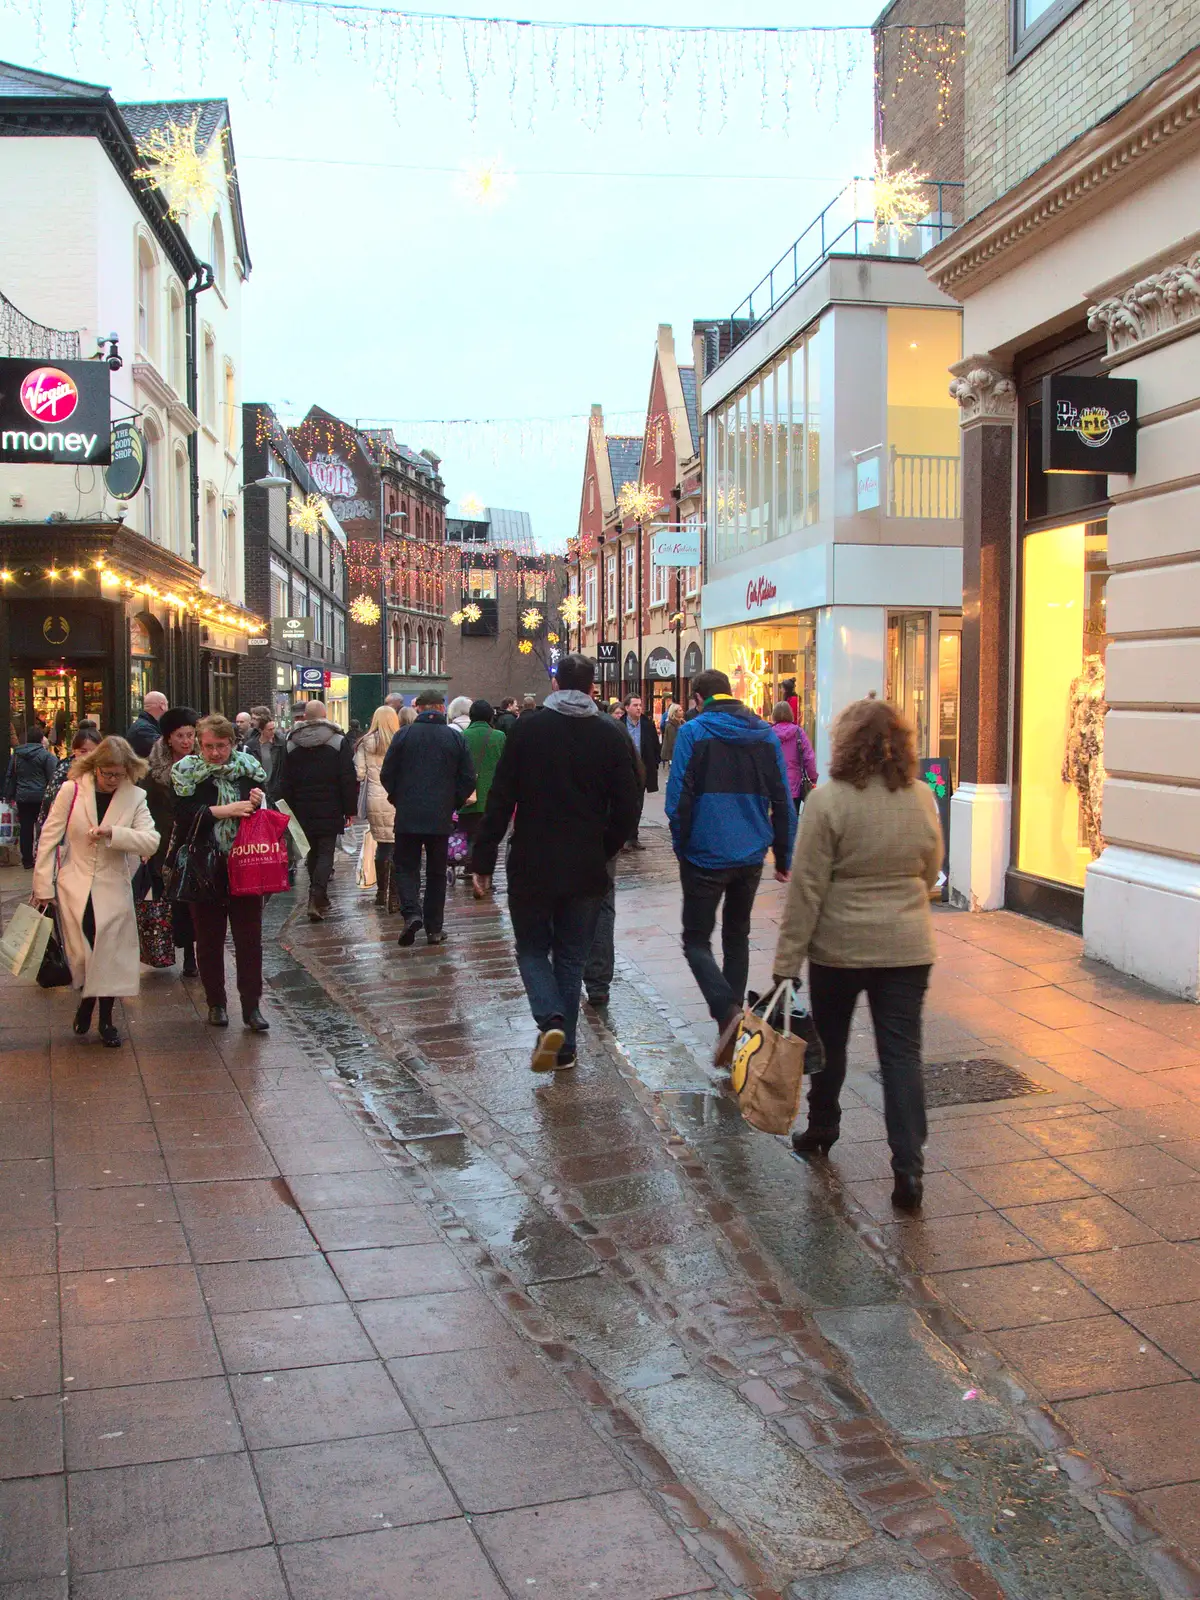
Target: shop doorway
57 698
923 657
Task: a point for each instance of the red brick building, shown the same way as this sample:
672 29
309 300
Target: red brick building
636 490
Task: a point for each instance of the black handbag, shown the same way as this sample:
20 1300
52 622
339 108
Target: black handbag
55 970
195 870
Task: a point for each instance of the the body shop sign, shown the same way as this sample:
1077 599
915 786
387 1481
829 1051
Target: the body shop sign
55 413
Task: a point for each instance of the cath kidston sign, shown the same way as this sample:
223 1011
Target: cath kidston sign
55 412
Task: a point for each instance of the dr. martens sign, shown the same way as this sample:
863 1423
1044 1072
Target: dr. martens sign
55 413
1089 424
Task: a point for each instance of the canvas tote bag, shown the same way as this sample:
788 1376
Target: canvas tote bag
767 1071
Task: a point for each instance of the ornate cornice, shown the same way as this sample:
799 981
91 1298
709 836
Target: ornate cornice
983 391
1150 132
1158 308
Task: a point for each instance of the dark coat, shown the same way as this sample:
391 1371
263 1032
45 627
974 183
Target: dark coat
649 750
268 756
162 800
577 794
143 733
427 774
506 721
316 778
30 769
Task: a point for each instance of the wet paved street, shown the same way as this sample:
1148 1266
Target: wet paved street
366 1309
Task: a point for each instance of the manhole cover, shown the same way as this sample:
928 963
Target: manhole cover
976 1078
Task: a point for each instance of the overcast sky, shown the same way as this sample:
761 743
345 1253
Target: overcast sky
386 293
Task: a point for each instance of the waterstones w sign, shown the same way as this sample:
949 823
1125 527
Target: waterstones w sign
55 413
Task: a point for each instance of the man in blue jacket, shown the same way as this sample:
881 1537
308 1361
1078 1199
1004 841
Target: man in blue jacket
728 802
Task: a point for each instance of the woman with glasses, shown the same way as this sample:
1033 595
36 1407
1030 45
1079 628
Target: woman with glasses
97 834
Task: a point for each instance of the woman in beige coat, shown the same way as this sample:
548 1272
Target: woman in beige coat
381 814
102 822
868 851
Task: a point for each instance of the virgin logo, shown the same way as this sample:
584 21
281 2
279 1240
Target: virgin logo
49 395
758 592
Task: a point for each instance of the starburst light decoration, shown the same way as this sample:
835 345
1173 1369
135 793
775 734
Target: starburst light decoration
525 647
472 612
364 610
531 619
471 506
898 198
307 515
639 501
456 619
551 638
571 610
486 184
188 176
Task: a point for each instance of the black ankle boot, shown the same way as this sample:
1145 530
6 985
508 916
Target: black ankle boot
108 1033
190 969
815 1141
83 1017
907 1192
255 1021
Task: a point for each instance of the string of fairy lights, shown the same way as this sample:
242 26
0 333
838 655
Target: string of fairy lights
530 67
182 598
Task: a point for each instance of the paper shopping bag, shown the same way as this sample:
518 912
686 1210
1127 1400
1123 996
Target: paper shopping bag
24 943
364 875
767 1072
296 833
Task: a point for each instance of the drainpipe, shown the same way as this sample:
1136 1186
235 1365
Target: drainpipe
204 280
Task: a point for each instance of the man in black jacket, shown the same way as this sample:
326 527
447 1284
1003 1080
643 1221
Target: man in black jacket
428 774
30 769
144 731
316 778
570 775
647 746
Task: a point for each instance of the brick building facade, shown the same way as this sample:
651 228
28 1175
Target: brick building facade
919 121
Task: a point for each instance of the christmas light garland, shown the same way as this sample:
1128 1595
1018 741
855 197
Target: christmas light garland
179 597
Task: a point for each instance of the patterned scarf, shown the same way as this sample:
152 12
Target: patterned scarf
187 776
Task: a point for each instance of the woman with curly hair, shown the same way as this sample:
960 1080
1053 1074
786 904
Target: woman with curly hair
868 851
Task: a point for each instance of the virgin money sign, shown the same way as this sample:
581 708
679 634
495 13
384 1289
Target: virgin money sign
55 412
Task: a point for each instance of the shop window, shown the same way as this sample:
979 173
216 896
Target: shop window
923 429
481 583
907 683
1061 741
762 658
949 664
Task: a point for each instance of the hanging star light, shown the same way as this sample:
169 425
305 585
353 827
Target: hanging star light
898 198
525 647
571 610
531 619
639 501
187 175
485 183
472 612
471 506
456 618
551 638
306 516
365 610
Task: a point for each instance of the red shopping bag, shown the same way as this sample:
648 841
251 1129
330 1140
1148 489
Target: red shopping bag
258 861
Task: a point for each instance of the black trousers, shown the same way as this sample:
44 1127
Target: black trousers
724 986
406 867
320 864
896 996
27 815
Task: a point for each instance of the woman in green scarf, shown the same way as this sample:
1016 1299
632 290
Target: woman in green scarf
221 785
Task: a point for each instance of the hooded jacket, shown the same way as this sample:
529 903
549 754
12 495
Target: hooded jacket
30 769
571 776
428 773
727 796
798 757
316 777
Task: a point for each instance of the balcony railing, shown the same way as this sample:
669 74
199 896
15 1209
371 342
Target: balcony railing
846 227
923 486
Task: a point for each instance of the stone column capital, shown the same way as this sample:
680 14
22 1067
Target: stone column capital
1159 308
984 391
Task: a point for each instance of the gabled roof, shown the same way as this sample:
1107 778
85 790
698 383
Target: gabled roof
211 117
24 81
687 377
624 460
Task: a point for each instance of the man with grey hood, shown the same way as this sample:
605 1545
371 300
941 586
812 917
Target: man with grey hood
315 775
570 775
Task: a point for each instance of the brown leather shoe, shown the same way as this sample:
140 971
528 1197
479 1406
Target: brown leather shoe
726 1039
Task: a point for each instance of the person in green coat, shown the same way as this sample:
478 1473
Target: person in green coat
486 745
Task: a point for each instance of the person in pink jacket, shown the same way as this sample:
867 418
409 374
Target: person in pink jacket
798 756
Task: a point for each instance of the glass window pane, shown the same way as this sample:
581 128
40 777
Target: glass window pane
923 430
812 427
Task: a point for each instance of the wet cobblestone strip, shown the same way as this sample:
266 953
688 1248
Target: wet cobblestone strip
753 1342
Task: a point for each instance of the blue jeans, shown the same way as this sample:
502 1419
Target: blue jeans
553 940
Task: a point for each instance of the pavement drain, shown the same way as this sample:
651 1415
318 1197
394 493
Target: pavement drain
1015 1506
972 1081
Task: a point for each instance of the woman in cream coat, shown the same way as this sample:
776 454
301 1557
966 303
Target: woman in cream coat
381 814
101 820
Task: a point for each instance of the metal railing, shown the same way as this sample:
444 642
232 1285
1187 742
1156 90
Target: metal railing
923 486
843 228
